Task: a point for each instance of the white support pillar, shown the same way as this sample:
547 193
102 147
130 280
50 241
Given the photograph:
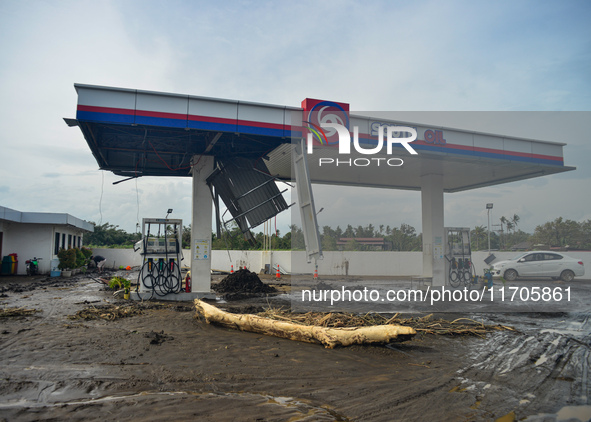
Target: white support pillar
201 226
433 247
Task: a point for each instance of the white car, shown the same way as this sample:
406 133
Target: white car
540 264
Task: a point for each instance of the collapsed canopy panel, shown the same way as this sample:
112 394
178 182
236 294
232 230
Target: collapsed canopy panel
251 196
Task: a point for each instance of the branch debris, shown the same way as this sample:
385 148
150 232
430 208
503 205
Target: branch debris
426 324
107 312
17 312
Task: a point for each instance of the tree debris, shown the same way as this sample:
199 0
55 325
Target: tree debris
329 337
17 312
426 324
106 312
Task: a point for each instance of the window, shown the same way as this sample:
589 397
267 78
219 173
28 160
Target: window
56 247
63 240
69 241
79 242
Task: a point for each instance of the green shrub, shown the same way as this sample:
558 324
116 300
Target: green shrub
86 251
80 258
67 258
120 283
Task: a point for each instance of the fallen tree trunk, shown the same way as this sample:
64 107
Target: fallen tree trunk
329 337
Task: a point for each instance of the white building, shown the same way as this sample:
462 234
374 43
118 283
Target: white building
40 235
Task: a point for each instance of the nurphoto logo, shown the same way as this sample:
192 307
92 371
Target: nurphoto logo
393 136
328 126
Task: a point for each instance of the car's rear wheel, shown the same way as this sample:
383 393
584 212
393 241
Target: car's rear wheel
567 275
510 275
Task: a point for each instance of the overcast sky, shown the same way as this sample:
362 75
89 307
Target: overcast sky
375 55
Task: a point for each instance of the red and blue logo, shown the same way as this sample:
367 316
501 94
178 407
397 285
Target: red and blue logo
318 112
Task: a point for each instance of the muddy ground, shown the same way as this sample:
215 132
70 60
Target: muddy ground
164 364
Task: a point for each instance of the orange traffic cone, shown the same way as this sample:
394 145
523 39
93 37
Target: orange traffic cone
316 274
278 275
231 269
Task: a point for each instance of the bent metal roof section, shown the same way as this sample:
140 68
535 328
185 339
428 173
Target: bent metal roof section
142 133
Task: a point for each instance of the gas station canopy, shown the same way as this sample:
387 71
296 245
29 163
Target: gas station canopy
235 150
136 133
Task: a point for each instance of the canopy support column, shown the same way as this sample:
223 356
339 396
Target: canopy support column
432 209
201 226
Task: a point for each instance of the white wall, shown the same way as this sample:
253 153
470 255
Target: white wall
118 257
360 263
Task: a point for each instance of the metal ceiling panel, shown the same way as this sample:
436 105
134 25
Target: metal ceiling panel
251 196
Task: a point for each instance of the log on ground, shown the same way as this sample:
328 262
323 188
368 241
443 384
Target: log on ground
329 337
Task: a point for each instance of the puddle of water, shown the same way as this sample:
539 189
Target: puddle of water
562 332
542 359
567 413
582 413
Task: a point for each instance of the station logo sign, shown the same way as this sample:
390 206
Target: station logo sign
327 124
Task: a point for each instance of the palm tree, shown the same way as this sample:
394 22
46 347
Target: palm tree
515 220
510 227
478 233
503 221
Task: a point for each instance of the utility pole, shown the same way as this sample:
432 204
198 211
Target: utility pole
488 208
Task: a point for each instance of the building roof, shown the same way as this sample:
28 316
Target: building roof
15 216
525 245
367 240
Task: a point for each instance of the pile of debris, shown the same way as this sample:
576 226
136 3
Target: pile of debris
17 312
32 283
158 338
426 324
107 312
242 284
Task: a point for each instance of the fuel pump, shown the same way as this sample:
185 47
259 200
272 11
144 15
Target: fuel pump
458 256
161 250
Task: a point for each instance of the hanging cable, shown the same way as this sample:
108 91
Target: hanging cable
101 198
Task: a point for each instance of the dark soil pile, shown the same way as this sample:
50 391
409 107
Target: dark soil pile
242 282
158 338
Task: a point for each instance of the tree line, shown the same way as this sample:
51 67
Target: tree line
557 233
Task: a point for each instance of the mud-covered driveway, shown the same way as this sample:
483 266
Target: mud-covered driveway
163 364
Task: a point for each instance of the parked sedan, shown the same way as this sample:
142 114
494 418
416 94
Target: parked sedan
540 264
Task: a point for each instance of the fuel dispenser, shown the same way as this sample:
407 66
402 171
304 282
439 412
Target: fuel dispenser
458 256
161 250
